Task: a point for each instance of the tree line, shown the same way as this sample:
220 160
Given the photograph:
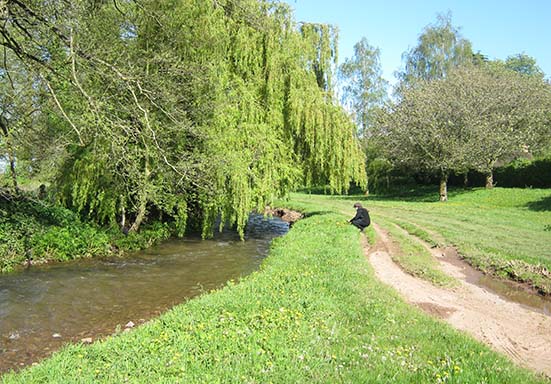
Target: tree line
452 110
186 111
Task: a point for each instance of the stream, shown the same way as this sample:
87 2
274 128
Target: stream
44 307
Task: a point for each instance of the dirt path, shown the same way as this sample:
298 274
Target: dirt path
518 332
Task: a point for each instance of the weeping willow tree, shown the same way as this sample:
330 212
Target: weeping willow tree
276 125
186 110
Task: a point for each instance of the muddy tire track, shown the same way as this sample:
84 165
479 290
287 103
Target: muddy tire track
507 327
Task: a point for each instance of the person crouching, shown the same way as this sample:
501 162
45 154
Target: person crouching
361 220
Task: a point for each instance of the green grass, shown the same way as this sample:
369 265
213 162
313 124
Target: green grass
505 231
314 313
409 253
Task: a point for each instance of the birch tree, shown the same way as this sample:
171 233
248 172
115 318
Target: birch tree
440 48
364 88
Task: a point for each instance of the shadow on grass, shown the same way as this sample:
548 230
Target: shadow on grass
316 213
411 193
540 205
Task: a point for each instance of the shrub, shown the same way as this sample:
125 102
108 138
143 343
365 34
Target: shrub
525 173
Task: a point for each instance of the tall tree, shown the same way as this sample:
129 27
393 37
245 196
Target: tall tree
524 64
363 86
470 119
506 113
440 47
422 131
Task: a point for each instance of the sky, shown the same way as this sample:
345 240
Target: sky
495 28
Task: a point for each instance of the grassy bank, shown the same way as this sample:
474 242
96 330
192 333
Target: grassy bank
313 313
30 228
505 231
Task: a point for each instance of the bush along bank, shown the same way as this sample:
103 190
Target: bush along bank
34 231
313 313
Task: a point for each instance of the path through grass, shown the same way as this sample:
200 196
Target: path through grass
505 232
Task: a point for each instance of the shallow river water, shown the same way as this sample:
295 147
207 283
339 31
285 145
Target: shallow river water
44 307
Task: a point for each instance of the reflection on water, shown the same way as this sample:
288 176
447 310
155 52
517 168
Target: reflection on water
505 289
45 307
517 294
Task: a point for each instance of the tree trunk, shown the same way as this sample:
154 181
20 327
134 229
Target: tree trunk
123 217
141 214
444 187
490 180
143 200
13 172
465 179
11 156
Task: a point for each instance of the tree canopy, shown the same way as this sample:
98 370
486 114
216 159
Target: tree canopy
524 64
507 113
440 48
467 120
186 110
364 88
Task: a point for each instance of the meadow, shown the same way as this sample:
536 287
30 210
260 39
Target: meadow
505 232
314 312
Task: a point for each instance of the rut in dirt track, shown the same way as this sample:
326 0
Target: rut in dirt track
507 327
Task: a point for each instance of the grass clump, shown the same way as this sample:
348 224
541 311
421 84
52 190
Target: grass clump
420 233
314 313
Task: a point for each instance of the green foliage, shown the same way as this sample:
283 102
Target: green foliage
87 186
470 119
149 235
516 113
364 88
524 64
379 174
525 173
441 48
276 126
12 246
422 132
44 232
190 110
66 243
315 313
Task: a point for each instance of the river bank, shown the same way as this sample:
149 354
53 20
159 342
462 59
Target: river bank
89 299
35 232
314 313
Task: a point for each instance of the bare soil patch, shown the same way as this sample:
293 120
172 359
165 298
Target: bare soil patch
284 214
436 310
510 328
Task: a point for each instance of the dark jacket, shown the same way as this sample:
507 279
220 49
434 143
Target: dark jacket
361 219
